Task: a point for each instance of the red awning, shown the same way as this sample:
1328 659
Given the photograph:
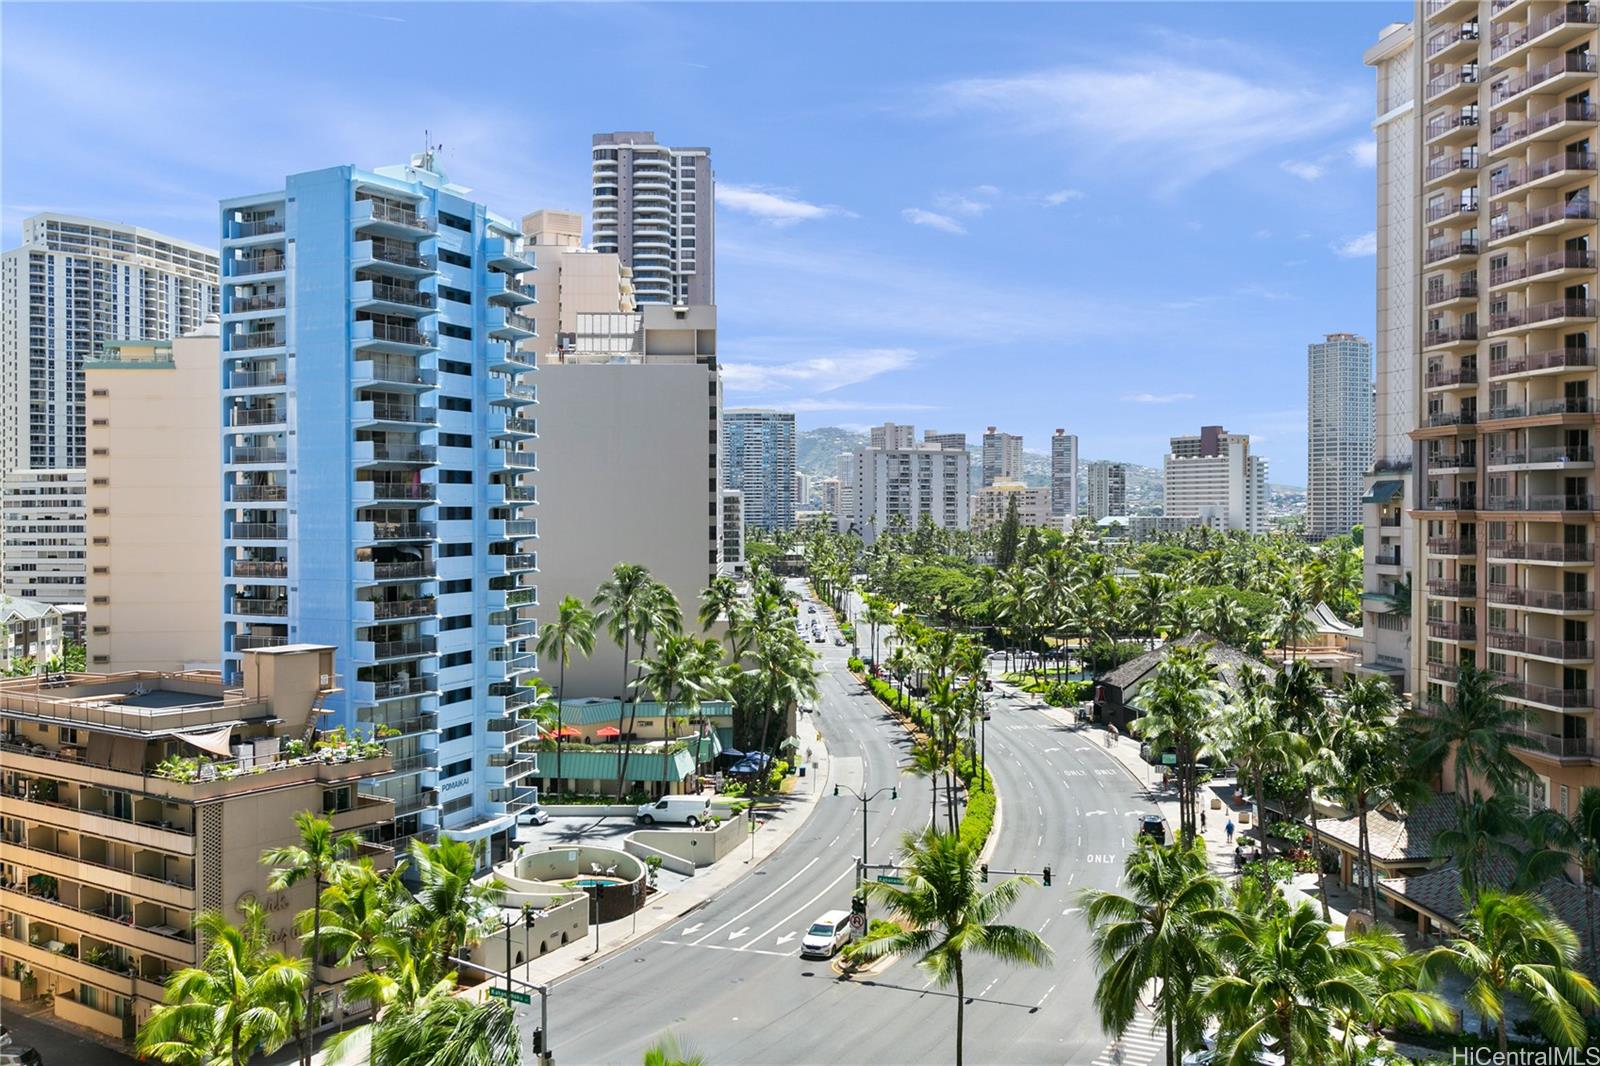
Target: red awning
608 731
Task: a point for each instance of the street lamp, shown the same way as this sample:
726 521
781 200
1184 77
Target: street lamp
894 793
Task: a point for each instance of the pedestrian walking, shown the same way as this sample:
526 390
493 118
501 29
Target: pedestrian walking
1202 821
1228 829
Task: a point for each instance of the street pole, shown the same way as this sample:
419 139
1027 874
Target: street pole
596 908
507 922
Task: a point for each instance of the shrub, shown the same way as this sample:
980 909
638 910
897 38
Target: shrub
977 822
855 665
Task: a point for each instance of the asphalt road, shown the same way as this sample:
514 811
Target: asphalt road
728 982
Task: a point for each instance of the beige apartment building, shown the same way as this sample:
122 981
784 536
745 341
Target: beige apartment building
990 504
569 279
1504 427
130 803
154 493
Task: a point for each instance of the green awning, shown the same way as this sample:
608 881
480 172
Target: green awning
1384 491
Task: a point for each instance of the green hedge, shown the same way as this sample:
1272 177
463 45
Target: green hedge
856 665
977 821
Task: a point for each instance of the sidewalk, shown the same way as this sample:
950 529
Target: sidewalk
774 828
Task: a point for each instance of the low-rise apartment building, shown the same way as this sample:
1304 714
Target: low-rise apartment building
130 803
991 503
42 535
29 631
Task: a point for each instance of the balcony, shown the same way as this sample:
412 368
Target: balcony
367 651
1444 251
1562 650
1553 264
255 608
1459 590
264 301
1444 379
1458 39
1547 361
394 531
389 412
504 564
1575 213
1449 294
409 570
1549 695
390 296
257 531
384 610
1462 81
1541 599
254 341
1538 551
256 416
254 568
246 456
1438 419
366 492
1452 546
252 641
1457 631
1557 456
1550 171
505 254
399 688
256 379
1444 167
1568 69
1565 23
1550 746
1563 502
396 256
1553 311
512 292
1447 127
368 335
388 217
251 265
1467 333
509 326
262 227
378 454
1550 122
370 371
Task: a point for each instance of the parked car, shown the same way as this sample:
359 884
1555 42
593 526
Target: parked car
675 810
1152 826
533 816
839 641
827 935
15 1054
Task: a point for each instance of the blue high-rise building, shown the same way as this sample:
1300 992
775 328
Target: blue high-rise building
377 474
758 457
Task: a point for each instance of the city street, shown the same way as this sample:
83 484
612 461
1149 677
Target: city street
727 979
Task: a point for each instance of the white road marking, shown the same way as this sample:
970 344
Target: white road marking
763 899
696 926
988 986
1097 814
1040 843
832 842
1070 877
1041 812
1071 910
785 938
1045 926
781 922
1046 996
735 935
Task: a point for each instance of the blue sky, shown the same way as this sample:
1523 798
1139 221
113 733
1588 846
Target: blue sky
1125 219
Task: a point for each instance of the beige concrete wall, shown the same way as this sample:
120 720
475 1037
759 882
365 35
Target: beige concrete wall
154 509
701 847
623 477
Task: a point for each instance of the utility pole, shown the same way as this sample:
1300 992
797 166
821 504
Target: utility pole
894 793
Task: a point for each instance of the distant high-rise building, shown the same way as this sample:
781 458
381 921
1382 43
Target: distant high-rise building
1107 489
377 456
43 545
155 539
802 490
758 453
944 440
899 483
1338 431
844 515
1002 457
653 207
1063 473
71 286
826 490
1213 477
568 280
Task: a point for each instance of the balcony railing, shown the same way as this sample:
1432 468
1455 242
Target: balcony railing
412 648
1439 168
268 608
384 490
1441 251
1582 63
1463 332
1452 631
1580 209
402 530
1548 599
1571 259
1561 16
265 301
257 416
250 642
1549 695
1439 42
1541 551
1438 294
1577 453
1547 648
403 453
1437 419
401 294
1548 359
244 342
401 255
1569 112
256 264
1466 375
1439 586
255 379
1451 460
1556 164
1452 546
256 456
384 211
259 568
1542 312
397 334
1557 502
257 531
422 605
259 228
1445 82
402 570
410 686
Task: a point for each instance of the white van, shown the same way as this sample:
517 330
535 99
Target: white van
675 810
827 934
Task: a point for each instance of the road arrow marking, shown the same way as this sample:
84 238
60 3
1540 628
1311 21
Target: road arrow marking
739 933
784 939
691 929
1096 814
1071 910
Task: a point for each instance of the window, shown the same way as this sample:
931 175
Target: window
456 732
455 658
455 440
456 769
455 403
455 514
456 695
452 366
455 551
449 329
454 258
454 622
455 477
455 221
450 588
460 296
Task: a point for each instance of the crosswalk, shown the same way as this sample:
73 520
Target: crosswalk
1142 1045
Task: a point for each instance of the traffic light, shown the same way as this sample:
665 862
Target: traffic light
858 904
984 869
894 793
1047 877
835 790
536 1039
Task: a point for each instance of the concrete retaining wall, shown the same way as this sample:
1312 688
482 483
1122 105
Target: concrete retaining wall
562 925
668 861
589 810
699 847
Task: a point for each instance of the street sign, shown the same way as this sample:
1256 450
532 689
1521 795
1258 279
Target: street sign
1169 758
891 879
858 923
515 997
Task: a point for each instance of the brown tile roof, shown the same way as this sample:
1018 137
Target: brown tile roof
1439 893
1227 657
1404 838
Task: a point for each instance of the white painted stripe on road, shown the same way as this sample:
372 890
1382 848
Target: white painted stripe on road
1046 996
1045 926
781 922
798 873
725 947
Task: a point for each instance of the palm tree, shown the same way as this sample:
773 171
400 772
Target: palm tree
1491 829
668 1052
450 910
1180 702
945 916
1283 982
717 600
319 857
1476 727
356 908
620 599
1256 738
1301 704
1396 999
928 761
1586 831
572 630
242 998
1154 934
658 616
447 1030
1513 945
1370 764
1292 624
877 614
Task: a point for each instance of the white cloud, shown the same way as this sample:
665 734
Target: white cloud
1061 196
1206 119
1356 247
961 205
1305 171
918 217
1364 153
1153 397
822 373
773 206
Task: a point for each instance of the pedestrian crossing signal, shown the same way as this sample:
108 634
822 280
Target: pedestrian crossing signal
984 869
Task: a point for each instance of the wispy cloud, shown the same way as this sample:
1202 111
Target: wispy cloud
1157 397
1206 119
918 217
1062 196
1364 153
776 207
1303 169
965 205
822 374
1356 247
